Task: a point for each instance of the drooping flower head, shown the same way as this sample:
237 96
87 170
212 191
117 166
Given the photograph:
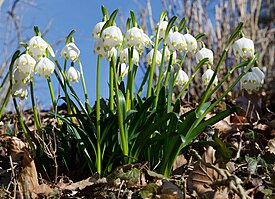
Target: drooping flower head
97 29
243 48
20 77
149 57
112 37
37 47
44 67
124 56
181 78
99 50
162 28
204 53
73 74
135 37
70 51
20 90
206 77
176 42
253 80
25 64
191 43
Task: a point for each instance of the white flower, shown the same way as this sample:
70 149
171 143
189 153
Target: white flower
124 57
123 70
167 55
191 43
182 78
137 38
97 29
99 50
112 37
204 53
20 77
70 51
149 57
25 64
37 47
162 28
73 74
206 77
20 90
176 42
243 48
253 80
44 67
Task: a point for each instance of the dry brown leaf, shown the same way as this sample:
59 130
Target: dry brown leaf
271 146
43 190
170 191
28 179
202 175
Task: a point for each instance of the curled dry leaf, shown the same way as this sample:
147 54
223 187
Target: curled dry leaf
202 175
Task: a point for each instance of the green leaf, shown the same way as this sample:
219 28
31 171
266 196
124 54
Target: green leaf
133 17
104 13
182 25
204 107
200 35
170 25
36 31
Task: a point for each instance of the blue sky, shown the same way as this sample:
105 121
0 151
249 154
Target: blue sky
80 15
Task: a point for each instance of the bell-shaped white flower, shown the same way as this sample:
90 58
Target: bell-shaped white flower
149 57
181 78
137 38
20 90
253 80
112 37
26 63
167 55
73 75
122 70
124 57
204 53
206 77
44 67
97 29
176 42
191 43
70 51
99 50
37 47
20 77
162 28
243 48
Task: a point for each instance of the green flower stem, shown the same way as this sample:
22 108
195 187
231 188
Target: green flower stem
130 81
160 72
83 81
167 73
53 100
242 64
143 81
152 70
189 137
6 99
202 62
98 136
36 119
229 43
4 81
124 141
111 86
